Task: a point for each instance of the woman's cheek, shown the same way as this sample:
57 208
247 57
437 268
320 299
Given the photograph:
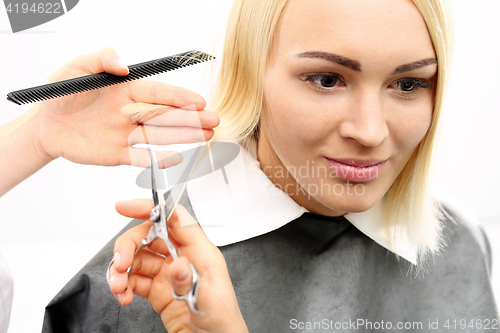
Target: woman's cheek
410 130
298 115
297 125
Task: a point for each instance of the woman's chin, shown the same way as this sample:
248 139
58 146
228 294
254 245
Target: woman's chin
344 204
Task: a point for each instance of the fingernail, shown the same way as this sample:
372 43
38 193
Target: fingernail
111 281
120 296
117 259
175 158
121 63
183 275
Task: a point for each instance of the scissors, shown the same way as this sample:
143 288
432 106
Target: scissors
164 205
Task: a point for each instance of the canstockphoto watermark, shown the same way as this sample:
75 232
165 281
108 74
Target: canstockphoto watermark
26 14
358 324
454 324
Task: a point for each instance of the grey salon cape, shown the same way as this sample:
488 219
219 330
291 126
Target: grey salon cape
294 271
314 274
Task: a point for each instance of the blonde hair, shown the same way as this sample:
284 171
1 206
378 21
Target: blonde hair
410 197
239 96
239 102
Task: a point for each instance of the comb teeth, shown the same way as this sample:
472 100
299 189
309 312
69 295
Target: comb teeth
101 80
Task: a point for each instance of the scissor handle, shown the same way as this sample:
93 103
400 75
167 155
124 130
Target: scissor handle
160 228
158 216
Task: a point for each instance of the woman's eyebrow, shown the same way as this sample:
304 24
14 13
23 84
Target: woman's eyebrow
352 64
414 65
356 66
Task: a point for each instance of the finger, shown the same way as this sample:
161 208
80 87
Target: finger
119 285
105 60
180 276
186 118
141 285
161 135
126 297
159 246
160 293
185 230
148 262
140 157
163 115
136 209
118 282
153 92
126 245
146 265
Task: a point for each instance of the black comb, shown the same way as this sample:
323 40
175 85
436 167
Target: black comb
101 80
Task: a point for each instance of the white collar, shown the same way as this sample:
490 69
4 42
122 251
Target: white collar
250 206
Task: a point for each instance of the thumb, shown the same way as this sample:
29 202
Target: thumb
180 276
185 229
136 209
105 60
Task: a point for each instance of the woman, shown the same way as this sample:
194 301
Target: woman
351 87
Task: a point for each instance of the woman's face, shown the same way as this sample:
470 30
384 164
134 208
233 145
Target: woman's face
348 94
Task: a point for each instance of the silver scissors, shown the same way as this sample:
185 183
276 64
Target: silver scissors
164 205
163 209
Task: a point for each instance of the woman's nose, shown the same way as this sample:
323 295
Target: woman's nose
365 120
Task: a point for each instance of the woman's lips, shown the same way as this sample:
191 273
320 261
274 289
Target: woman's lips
356 170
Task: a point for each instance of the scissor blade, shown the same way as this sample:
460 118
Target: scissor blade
176 192
154 173
173 197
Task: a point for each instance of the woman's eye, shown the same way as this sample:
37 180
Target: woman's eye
410 88
328 81
322 82
408 85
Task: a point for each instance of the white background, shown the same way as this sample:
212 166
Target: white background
55 221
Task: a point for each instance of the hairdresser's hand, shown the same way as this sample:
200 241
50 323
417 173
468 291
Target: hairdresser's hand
89 128
153 276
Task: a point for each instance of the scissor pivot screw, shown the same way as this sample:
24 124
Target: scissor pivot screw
154 216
